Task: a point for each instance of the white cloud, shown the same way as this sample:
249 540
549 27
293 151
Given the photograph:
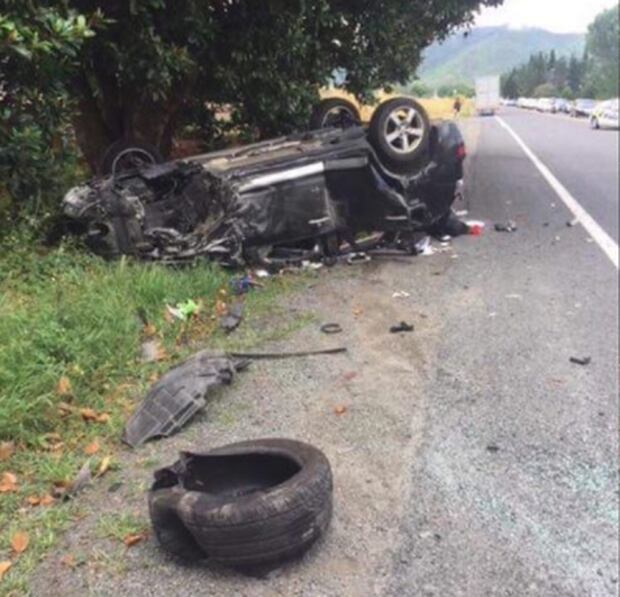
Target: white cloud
562 16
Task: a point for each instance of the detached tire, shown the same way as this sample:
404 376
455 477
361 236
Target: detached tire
124 155
399 132
244 505
334 112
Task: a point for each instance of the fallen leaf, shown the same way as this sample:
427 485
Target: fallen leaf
47 500
357 311
131 540
4 566
103 418
56 447
8 483
63 387
88 414
149 329
221 308
64 409
68 560
350 375
168 317
19 542
152 350
340 410
33 500
81 480
92 448
7 449
153 377
104 466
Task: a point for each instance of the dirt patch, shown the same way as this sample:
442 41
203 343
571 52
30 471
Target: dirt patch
364 409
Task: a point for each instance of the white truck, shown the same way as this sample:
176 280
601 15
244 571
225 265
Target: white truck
487 95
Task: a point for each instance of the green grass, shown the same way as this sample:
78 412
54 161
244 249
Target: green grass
65 313
120 526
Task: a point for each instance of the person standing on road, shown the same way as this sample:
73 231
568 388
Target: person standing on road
458 104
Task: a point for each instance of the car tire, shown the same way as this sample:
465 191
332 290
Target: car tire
334 112
595 124
399 132
216 505
125 155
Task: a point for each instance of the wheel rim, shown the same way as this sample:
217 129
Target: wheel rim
404 130
132 158
339 116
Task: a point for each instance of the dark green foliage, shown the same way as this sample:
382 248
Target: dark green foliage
140 69
39 47
603 47
594 75
458 89
544 75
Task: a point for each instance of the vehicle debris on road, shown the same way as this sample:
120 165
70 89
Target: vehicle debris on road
331 328
179 394
254 503
583 361
400 294
509 226
401 327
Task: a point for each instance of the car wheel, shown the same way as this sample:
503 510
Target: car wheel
124 155
248 504
594 123
399 132
334 112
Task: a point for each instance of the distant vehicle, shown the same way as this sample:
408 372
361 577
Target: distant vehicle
528 103
582 107
605 115
545 104
487 95
560 105
509 102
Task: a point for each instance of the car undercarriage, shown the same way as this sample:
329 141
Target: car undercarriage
306 196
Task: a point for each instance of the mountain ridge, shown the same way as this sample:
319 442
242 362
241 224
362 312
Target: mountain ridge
491 51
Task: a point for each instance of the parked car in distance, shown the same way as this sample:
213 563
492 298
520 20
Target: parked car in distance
560 105
605 115
582 107
545 104
527 103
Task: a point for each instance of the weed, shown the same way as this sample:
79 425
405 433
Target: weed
120 526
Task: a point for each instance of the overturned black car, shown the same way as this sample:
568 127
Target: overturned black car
304 196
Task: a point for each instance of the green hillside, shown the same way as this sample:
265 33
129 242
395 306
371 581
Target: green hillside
491 51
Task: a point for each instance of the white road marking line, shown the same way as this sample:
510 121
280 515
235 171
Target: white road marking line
602 239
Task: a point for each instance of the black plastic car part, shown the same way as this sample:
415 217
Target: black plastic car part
174 399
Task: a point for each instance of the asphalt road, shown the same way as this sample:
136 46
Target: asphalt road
472 458
518 474
585 160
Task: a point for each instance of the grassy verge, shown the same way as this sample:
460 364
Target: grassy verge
71 328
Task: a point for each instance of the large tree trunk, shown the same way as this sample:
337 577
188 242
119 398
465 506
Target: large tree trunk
91 132
112 114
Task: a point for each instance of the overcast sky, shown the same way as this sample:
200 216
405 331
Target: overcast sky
555 15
